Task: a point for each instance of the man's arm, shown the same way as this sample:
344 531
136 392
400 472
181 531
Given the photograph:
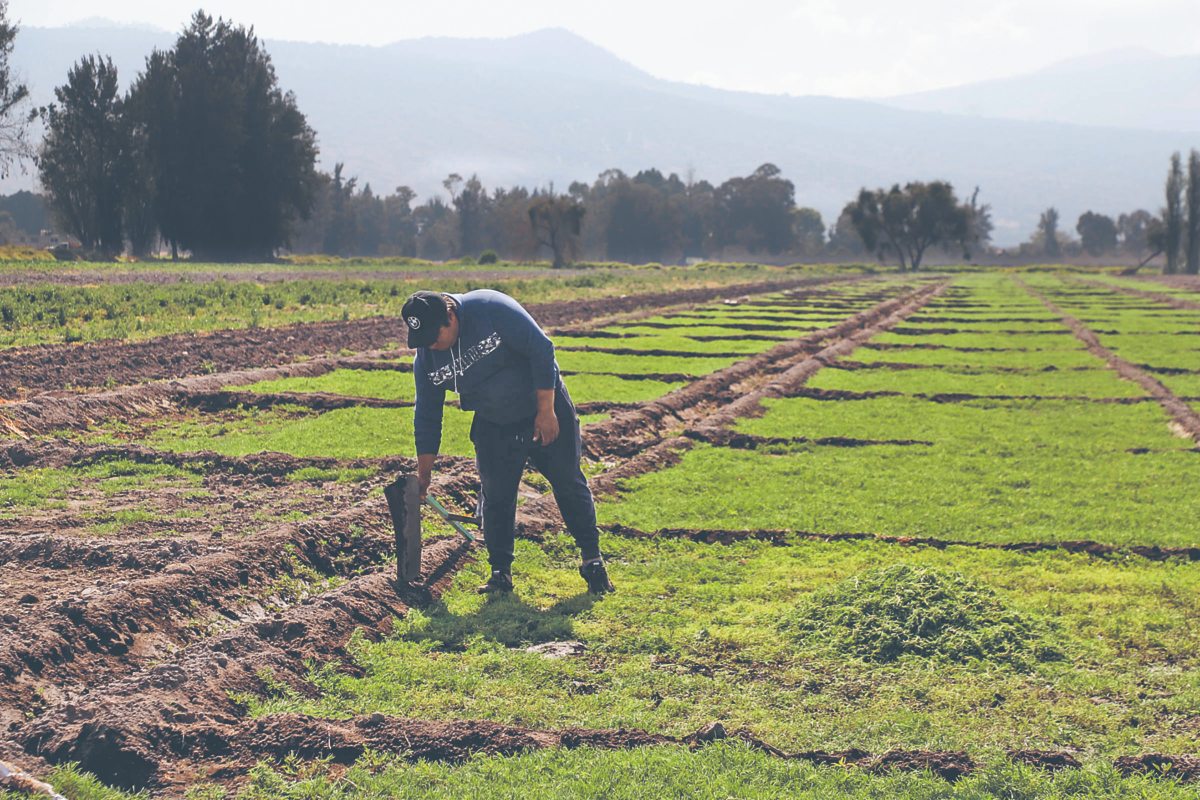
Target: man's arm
427 422
425 472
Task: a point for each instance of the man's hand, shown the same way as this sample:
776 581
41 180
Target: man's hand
425 472
545 424
545 428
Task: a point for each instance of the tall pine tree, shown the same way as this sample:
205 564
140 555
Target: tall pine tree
82 156
1173 215
1192 262
231 156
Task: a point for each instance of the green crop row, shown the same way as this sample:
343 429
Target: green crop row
48 313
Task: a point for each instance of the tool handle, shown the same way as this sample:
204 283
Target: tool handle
446 515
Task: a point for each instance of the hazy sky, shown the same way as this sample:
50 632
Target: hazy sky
857 48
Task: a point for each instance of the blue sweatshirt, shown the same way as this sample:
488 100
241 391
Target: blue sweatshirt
500 359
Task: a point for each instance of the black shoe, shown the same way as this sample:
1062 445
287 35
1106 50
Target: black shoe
597 578
499 582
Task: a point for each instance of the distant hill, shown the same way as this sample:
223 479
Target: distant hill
550 106
1124 88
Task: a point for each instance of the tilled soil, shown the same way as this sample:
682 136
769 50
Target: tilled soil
183 709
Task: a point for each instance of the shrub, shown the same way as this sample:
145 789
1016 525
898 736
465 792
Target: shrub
489 257
884 614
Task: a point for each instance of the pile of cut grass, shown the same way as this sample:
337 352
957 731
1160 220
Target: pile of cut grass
886 614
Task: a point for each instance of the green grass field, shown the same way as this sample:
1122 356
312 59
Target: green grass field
807 643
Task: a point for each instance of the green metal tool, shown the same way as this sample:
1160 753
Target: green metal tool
456 520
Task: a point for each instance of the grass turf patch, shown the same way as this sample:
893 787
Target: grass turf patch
717 772
1001 429
586 388
669 341
342 433
731 331
1182 385
1030 359
52 488
886 613
583 361
1011 496
1059 383
1000 341
382 384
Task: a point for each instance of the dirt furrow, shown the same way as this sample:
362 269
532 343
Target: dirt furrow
724 437
316 401
271 467
69 637
775 536
344 741
50 367
1184 416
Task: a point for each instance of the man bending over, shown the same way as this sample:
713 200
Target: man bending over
485 347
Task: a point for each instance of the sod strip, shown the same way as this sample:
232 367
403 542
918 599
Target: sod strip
1184 416
1158 297
632 432
618 433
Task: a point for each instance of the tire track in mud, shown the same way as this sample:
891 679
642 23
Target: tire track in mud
708 407
1183 415
1158 297
94 364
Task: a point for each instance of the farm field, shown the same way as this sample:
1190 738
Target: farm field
923 536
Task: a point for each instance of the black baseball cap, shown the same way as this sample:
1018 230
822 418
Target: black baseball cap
424 315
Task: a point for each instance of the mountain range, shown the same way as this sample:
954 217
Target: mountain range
550 107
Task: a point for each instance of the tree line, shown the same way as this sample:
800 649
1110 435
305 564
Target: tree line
206 155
